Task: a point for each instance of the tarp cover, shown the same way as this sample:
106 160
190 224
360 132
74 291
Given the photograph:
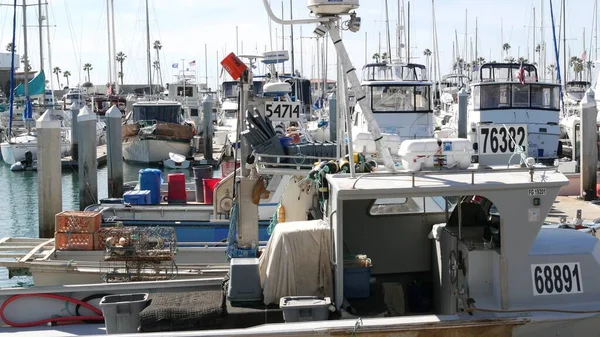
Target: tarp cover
296 261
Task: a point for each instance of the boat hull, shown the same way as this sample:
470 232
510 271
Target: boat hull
152 151
15 152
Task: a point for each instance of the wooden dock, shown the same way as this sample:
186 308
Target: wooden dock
101 155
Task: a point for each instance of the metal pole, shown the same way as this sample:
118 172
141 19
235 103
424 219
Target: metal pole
148 48
207 107
114 47
110 55
589 146
25 65
50 54
40 30
333 129
114 152
48 173
88 164
462 113
206 64
292 39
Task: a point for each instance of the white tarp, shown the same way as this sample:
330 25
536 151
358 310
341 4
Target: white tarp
296 261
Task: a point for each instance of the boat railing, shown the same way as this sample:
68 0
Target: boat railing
287 165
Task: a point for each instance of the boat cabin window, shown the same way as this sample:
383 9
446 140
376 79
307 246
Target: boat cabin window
400 98
516 95
395 206
394 72
160 113
189 91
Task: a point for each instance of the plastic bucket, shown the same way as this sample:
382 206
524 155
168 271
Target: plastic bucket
227 168
209 189
176 184
285 141
234 66
201 172
151 179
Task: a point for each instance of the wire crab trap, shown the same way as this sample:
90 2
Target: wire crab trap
152 244
137 271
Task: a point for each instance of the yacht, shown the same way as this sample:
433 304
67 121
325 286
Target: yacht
74 95
154 129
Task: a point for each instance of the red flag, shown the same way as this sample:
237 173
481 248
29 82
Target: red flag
521 74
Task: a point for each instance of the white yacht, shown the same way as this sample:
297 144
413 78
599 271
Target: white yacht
154 129
74 95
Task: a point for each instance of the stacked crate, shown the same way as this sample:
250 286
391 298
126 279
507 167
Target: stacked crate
74 230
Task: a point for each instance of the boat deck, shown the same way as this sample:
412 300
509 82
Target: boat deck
101 155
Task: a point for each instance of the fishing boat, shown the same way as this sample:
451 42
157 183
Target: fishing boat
154 129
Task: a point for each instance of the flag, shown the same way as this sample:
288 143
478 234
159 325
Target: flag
193 63
175 65
584 55
521 74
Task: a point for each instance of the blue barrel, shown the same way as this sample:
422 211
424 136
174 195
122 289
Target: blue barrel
151 179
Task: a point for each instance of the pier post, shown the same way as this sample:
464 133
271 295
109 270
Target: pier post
207 107
87 164
589 146
333 118
48 172
114 152
74 134
462 113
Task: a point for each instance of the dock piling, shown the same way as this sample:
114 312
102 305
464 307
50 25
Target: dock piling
114 152
332 118
74 134
589 146
87 164
207 107
462 113
48 172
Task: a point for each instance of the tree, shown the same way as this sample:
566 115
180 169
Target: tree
551 69
506 48
385 57
158 46
577 64
427 54
121 58
66 74
376 57
10 48
120 75
510 59
523 60
26 64
87 67
480 61
57 71
459 65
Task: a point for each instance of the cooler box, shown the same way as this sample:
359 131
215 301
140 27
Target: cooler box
357 282
305 308
137 197
417 154
363 142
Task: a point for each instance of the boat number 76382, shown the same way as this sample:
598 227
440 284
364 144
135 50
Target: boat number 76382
556 278
500 139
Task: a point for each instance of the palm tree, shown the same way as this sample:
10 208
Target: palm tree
120 75
459 65
121 58
551 69
577 64
10 48
87 67
66 74
57 71
427 54
158 46
589 65
523 60
376 57
510 59
385 57
25 62
480 60
506 48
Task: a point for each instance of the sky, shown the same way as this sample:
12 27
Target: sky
78 33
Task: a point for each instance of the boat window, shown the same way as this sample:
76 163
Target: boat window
545 96
189 91
520 95
395 206
476 97
161 113
392 98
422 98
230 89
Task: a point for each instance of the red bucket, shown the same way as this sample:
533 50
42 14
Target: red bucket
177 193
209 189
234 66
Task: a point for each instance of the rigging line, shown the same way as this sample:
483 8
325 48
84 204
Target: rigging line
131 66
73 39
161 52
4 25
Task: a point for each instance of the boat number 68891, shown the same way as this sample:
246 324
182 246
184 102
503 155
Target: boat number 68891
556 278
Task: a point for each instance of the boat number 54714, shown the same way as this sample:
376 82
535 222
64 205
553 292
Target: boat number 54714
283 111
556 278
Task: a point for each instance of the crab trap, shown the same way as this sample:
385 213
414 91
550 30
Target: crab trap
151 244
137 271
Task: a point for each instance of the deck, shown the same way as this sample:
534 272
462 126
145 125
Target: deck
101 157
567 206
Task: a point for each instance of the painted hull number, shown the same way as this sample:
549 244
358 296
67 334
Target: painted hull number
556 279
283 111
536 191
498 139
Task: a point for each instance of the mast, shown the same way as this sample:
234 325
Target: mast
148 49
465 51
387 29
25 57
501 40
399 29
533 57
595 31
12 71
110 55
49 51
301 53
282 40
542 42
292 39
114 47
476 31
40 21
408 32
366 48
206 64
564 29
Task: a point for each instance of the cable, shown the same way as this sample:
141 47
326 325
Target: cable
87 299
474 309
65 319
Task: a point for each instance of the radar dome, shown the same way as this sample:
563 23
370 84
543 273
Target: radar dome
332 7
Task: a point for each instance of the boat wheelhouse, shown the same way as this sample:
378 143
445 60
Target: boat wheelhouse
509 108
400 98
575 90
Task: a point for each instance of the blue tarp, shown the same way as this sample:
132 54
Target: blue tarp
37 86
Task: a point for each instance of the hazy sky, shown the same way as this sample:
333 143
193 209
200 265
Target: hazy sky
78 32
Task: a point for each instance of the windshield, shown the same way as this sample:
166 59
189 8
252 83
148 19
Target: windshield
161 113
394 98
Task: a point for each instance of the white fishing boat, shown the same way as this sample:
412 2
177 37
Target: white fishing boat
154 129
176 161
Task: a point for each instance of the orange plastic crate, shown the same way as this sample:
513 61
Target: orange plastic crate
77 222
73 241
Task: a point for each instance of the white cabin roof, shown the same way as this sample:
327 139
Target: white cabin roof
397 83
154 103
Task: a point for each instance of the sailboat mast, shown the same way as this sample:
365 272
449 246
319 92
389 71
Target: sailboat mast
292 39
40 22
387 29
25 57
399 28
148 48
49 51
113 58
109 43
408 32
564 27
476 32
465 51
542 42
206 64
533 57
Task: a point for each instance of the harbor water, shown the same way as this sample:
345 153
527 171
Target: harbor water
19 208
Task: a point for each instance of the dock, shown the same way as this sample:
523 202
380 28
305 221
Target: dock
101 155
567 206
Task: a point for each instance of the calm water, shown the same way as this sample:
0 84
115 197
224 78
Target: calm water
19 197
